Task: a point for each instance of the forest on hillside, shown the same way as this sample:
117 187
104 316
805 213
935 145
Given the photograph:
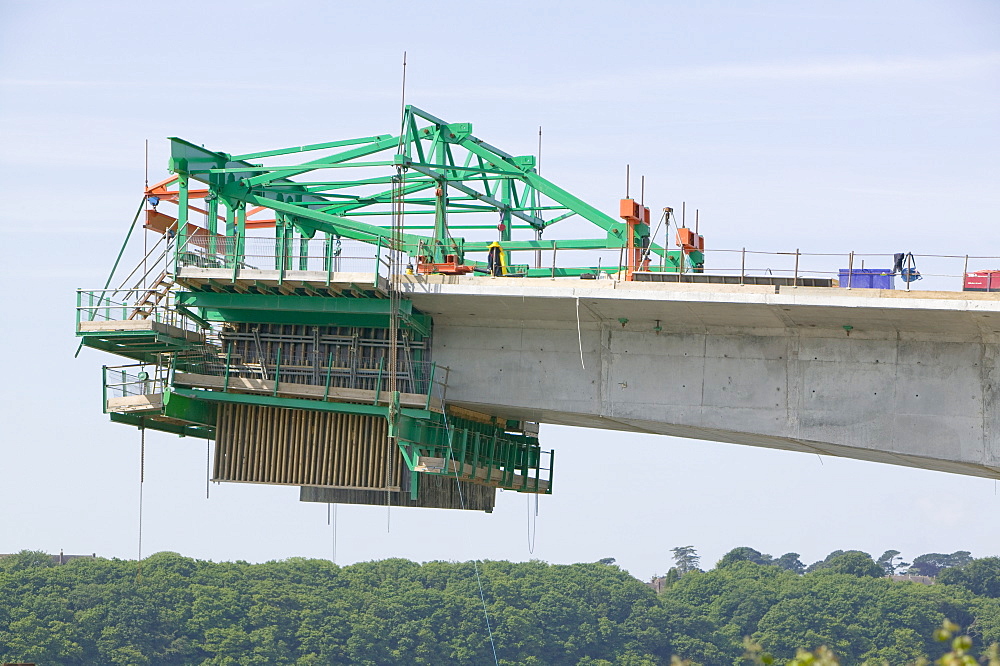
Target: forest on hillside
169 609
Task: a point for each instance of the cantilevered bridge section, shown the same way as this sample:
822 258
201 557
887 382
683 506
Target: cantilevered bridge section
907 378
356 325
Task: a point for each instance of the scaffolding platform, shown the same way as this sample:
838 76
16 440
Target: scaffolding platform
250 385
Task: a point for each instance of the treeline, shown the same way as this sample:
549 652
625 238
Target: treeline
170 609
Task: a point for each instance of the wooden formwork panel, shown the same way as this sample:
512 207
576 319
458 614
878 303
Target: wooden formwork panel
259 444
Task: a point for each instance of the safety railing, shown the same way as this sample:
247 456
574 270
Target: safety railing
97 305
285 372
844 269
509 461
854 269
326 255
281 254
125 381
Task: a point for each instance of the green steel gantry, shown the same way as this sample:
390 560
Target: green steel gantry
226 325
431 168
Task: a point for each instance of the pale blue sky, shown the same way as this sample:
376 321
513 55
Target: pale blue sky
826 126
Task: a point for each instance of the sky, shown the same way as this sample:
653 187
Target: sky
826 126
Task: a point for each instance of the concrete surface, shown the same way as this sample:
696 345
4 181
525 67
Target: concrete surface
913 381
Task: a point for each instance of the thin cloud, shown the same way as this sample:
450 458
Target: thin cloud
207 84
865 70
853 70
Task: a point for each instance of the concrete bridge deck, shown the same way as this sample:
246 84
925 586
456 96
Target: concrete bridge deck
908 378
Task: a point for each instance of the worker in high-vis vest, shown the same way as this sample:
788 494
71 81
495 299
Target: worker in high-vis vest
496 260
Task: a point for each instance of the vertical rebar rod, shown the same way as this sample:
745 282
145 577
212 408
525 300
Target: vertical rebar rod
229 352
850 269
329 375
277 371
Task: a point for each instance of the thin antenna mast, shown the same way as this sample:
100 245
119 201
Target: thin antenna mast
538 170
145 242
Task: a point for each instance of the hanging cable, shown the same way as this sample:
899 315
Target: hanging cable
331 521
532 524
142 481
333 529
461 499
395 272
208 466
579 335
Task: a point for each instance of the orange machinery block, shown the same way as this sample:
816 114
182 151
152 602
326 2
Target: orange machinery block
631 211
689 241
449 267
628 209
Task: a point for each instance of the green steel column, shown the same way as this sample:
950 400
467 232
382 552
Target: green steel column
279 241
241 232
230 241
182 217
505 217
440 222
441 207
328 255
303 253
414 484
230 207
212 223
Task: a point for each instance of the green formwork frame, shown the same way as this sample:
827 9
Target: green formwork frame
473 445
432 167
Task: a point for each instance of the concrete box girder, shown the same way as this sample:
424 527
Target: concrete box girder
914 381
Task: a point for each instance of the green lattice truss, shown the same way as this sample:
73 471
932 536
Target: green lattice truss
438 170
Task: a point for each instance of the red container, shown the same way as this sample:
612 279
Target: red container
982 281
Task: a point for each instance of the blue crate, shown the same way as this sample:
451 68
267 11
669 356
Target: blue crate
867 278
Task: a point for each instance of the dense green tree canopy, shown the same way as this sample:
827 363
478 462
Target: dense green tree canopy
932 563
980 576
301 611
